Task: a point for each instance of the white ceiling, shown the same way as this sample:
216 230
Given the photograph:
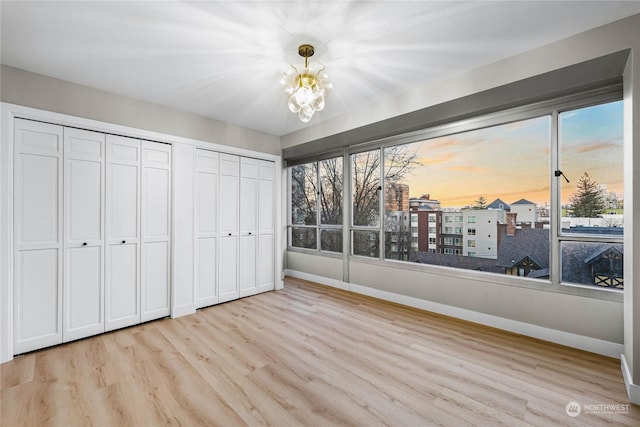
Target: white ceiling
224 59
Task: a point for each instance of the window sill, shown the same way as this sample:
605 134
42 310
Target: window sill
497 279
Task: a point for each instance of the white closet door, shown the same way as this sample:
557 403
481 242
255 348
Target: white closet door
37 308
156 231
122 272
84 233
266 227
206 225
229 205
248 226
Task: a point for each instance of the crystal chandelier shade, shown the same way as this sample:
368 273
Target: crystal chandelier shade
306 89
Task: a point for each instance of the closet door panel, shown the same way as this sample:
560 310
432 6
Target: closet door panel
84 208
38 199
123 298
228 284
156 231
122 274
266 197
248 265
229 188
155 277
36 300
206 225
248 195
266 263
248 226
207 292
156 195
38 185
83 297
84 184
229 227
266 242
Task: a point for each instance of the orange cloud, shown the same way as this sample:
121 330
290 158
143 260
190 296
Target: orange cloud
597 147
466 169
433 160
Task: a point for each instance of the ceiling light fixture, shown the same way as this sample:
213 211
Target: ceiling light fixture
306 89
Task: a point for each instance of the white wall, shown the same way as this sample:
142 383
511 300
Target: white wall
579 320
22 87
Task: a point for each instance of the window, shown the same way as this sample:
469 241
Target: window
592 210
491 179
365 189
317 209
304 188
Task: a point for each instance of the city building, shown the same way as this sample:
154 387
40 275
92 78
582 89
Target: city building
479 231
526 211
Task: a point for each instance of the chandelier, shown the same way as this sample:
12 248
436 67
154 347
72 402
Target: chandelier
307 88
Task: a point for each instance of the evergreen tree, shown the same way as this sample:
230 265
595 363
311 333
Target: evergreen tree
481 203
587 201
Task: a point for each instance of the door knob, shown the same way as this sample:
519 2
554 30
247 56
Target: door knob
124 241
84 243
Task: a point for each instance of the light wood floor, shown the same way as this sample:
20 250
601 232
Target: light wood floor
310 355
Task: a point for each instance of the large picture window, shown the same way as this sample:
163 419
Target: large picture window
537 194
316 205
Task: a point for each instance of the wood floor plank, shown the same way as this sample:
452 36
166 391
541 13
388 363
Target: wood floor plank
311 355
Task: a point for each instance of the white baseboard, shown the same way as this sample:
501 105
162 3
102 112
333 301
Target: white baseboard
182 311
318 279
581 342
633 390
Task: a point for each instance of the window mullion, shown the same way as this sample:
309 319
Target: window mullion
555 219
382 213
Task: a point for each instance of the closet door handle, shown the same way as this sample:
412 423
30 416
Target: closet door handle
249 233
229 234
84 243
124 241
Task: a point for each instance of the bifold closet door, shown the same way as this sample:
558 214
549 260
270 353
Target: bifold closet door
248 279
122 272
229 225
37 298
84 184
206 226
266 226
156 231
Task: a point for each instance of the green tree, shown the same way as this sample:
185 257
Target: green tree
587 201
481 203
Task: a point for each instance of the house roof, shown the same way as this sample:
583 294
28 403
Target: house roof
522 202
499 204
527 242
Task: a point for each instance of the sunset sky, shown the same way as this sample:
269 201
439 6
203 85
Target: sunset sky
511 161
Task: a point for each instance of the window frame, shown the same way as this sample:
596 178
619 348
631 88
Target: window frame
318 226
600 95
